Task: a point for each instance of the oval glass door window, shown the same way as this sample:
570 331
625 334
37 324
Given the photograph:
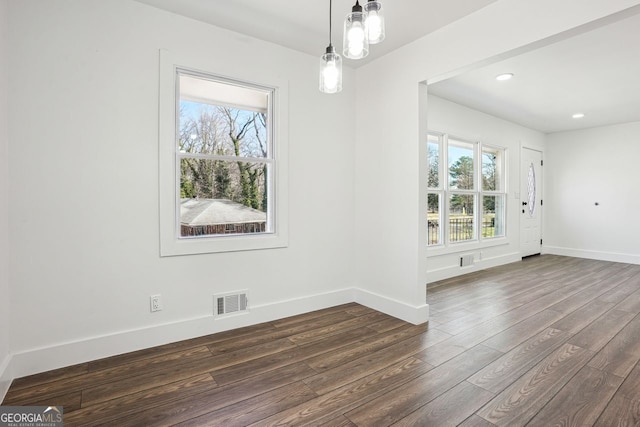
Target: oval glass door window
531 189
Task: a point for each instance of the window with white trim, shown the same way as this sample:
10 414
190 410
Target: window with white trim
468 204
224 155
221 174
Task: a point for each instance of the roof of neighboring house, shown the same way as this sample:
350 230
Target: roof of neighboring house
217 211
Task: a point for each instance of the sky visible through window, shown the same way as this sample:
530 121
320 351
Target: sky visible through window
455 153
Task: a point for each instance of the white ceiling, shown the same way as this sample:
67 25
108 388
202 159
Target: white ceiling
596 72
304 26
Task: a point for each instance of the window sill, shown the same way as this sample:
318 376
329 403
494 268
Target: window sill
202 245
454 248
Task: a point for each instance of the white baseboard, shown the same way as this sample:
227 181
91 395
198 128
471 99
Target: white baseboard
415 314
456 270
43 359
6 376
602 256
70 353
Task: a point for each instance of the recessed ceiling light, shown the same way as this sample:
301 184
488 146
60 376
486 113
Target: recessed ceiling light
578 115
503 77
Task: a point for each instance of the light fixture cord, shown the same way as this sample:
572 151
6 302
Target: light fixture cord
330 3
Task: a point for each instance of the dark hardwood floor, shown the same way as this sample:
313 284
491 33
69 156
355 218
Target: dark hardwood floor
543 342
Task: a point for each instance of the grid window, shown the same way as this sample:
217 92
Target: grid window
471 204
223 173
224 155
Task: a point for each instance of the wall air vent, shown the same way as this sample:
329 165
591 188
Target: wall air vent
466 260
230 303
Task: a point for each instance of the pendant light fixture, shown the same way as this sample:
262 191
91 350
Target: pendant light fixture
374 21
330 66
355 41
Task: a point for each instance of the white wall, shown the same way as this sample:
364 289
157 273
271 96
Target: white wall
84 195
391 257
5 329
84 186
463 122
586 167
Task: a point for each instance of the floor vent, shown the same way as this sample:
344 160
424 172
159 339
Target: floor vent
466 260
231 303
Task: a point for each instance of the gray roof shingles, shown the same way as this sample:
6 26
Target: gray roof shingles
217 211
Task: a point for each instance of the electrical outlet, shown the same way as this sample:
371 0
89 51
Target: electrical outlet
156 302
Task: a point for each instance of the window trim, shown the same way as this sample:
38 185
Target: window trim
444 191
168 183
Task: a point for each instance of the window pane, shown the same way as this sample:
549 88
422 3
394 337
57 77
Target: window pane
433 156
531 189
433 219
222 197
223 131
493 208
461 161
461 217
492 161
222 127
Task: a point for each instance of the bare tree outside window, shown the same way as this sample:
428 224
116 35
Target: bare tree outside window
224 167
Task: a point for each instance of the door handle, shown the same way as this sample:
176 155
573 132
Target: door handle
524 203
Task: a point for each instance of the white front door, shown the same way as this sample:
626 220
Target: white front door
530 202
